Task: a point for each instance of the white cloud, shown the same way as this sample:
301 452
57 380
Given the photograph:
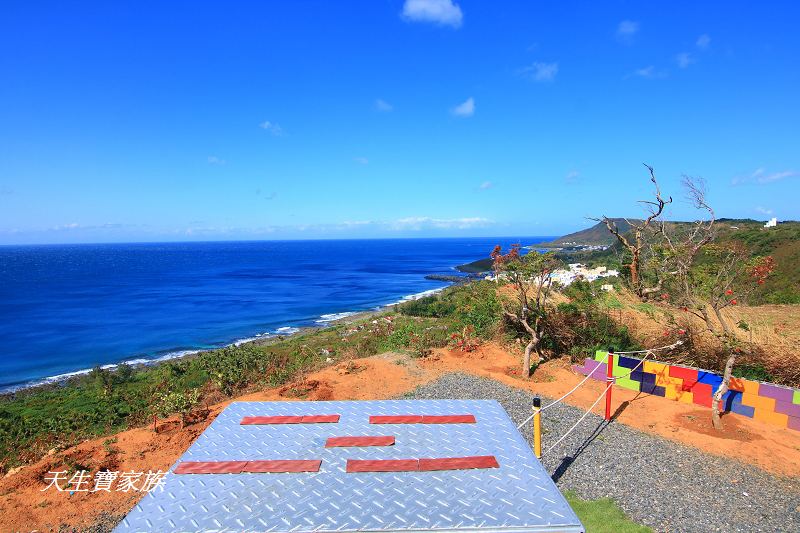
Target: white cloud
383 105
486 185
627 30
776 176
361 160
703 42
572 176
465 109
442 12
649 72
764 210
422 223
684 59
214 160
761 177
271 127
540 71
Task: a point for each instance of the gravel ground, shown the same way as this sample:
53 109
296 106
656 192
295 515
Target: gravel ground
659 483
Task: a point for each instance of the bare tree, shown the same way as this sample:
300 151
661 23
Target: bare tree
703 289
636 238
530 275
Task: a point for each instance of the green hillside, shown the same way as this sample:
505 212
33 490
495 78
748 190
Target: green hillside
597 235
782 242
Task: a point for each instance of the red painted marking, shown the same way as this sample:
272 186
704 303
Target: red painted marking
686 374
320 419
458 463
448 419
282 466
335 442
301 419
386 465
701 395
251 420
210 467
397 419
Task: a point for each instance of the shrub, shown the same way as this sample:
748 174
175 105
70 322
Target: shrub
434 306
755 372
180 402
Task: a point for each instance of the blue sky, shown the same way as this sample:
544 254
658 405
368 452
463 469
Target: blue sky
154 121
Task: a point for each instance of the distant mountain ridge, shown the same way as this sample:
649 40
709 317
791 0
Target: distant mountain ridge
597 235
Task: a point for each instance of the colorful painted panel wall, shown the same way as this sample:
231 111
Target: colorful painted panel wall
773 404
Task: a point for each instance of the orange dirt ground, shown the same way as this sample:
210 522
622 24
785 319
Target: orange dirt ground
24 507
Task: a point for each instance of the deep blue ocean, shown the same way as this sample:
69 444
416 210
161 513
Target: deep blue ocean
67 308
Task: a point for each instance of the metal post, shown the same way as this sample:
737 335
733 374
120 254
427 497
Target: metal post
609 381
537 427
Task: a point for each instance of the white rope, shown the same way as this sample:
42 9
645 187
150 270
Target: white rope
590 374
564 436
641 362
551 404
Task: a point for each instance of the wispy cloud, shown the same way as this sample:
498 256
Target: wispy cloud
486 185
761 177
214 160
703 42
267 196
684 59
764 210
572 176
540 71
649 72
464 109
627 30
383 105
422 223
271 127
441 12
361 160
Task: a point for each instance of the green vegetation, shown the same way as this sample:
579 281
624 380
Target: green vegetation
603 516
584 325
104 402
597 235
755 372
781 242
472 304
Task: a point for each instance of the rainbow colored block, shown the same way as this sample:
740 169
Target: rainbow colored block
769 403
631 384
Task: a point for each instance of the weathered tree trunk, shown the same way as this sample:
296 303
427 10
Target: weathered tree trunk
634 267
526 360
716 421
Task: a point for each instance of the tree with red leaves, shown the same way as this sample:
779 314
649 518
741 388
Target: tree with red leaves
530 276
704 277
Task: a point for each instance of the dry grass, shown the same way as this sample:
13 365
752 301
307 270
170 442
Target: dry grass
770 335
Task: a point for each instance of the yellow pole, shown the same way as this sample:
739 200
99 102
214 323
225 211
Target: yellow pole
537 427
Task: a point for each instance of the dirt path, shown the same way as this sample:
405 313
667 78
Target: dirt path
24 507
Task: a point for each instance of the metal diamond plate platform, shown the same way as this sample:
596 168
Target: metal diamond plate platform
518 496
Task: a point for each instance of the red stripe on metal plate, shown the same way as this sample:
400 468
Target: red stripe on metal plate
386 465
395 419
282 466
257 420
335 442
320 419
458 463
448 419
210 467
